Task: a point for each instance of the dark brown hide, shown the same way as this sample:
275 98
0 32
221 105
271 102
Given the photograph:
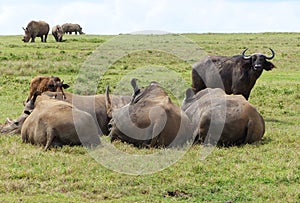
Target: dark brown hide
236 75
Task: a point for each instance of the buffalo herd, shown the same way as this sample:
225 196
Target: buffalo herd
215 109
41 29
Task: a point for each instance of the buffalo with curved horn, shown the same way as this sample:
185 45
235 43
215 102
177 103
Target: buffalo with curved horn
235 74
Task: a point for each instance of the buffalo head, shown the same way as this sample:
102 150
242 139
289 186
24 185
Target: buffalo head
259 61
56 84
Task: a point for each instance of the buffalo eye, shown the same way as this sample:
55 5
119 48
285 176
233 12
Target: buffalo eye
51 86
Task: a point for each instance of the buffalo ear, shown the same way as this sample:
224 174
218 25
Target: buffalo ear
65 86
269 66
189 93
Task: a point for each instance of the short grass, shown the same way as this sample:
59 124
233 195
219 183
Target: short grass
268 171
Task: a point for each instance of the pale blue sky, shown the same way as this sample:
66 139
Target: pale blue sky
126 16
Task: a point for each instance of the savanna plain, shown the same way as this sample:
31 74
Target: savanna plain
267 171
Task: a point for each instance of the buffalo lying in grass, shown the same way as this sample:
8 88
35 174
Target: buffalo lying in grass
56 123
149 120
237 74
222 119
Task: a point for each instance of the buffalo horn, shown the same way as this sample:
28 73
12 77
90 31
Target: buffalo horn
243 54
273 55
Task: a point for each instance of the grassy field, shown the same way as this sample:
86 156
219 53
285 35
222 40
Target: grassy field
268 171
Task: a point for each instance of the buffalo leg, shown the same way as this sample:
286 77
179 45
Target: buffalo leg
50 137
46 38
32 39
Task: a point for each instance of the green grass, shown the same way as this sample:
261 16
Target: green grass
268 171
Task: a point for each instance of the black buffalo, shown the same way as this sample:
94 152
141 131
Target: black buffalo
236 74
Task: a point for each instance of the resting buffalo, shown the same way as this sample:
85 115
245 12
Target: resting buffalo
93 104
70 27
46 83
57 33
36 29
56 123
236 75
149 120
222 119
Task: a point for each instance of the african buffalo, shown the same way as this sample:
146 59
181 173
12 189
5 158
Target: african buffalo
55 123
222 119
236 75
149 120
45 83
57 33
70 27
36 29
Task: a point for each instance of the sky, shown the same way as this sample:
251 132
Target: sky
174 16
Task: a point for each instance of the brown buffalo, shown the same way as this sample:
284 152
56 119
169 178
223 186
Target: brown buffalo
57 33
236 75
149 120
36 29
222 119
70 27
46 83
57 123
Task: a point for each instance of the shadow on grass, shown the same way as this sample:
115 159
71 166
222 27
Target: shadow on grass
277 121
264 140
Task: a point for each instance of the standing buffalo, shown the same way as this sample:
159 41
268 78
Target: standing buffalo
57 33
222 119
70 27
236 75
36 29
57 123
149 120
